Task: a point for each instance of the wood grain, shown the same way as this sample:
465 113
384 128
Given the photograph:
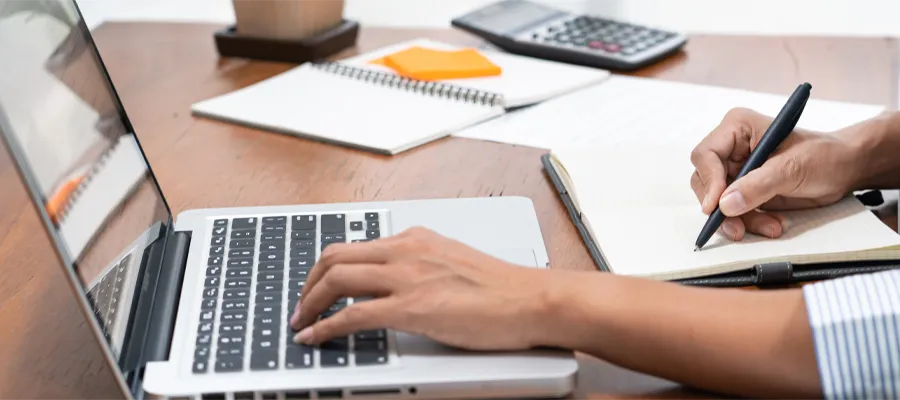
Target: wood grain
159 69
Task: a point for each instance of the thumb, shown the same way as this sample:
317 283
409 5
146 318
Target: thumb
778 176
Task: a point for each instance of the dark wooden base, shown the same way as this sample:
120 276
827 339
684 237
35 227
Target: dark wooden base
231 44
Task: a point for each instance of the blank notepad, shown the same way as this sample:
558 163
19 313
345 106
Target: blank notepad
353 107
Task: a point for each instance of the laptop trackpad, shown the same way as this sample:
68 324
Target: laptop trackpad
521 257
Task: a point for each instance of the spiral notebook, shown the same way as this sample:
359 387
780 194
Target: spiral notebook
357 104
109 182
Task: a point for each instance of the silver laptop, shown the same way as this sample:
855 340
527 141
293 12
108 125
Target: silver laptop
197 306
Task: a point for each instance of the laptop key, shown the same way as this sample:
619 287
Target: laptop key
356 226
204 339
280 220
219 231
334 238
271 246
208 304
220 223
212 281
266 359
270 276
210 292
240 262
270 308
240 253
374 334
243 234
298 356
299 273
302 262
372 225
239 272
236 283
232 327
214 261
231 341
214 270
230 352
236 293
373 234
302 244
274 228
201 353
333 223
333 357
243 223
371 216
217 241
205 328
303 235
200 367
271 266
268 298
234 316
229 364
271 256
295 284
236 305
303 223
268 287
216 251
207 315
241 243
272 237
370 352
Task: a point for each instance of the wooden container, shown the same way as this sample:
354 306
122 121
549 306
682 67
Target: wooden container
287 19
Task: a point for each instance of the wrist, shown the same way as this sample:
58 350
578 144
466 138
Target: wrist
874 144
552 308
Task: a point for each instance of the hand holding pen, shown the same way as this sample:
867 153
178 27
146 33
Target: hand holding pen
799 169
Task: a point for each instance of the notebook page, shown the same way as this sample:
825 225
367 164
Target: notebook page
640 110
523 81
308 102
645 217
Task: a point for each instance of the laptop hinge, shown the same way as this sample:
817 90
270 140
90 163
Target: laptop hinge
165 306
773 274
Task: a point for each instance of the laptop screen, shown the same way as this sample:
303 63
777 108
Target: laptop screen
76 152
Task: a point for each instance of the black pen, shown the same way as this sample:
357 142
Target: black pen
781 127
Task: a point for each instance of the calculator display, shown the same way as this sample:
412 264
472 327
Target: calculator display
511 17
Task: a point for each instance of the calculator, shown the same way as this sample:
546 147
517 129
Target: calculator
532 29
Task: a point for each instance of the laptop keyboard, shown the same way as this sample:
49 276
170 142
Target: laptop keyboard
106 295
255 272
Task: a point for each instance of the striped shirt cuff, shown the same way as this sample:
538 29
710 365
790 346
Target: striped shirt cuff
855 323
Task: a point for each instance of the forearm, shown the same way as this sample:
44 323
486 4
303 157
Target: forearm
739 342
878 152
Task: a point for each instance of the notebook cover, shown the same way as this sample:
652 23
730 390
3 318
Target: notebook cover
750 277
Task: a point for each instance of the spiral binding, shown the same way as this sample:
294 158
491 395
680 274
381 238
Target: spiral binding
95 169
429 88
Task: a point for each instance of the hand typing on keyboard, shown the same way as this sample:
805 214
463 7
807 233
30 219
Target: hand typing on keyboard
426 284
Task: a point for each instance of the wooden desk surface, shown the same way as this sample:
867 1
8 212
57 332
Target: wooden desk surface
160 69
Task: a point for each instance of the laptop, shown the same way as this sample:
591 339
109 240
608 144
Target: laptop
197 305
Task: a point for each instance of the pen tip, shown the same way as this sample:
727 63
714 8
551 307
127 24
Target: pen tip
696 248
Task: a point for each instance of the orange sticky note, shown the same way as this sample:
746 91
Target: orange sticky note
429 64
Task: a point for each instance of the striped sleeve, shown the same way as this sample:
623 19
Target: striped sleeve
856 331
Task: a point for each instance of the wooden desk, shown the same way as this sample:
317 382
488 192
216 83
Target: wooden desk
160 69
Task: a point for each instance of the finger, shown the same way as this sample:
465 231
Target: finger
342 280
372 252
699 189
710 173
733 228
764 224
367 315
780 175
780 203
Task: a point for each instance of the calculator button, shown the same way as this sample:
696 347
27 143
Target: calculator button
612 48
595 44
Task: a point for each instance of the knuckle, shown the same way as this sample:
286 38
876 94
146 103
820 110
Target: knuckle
737 113
791 170
354 314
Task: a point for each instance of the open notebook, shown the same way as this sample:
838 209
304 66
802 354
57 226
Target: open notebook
624 172
359 104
